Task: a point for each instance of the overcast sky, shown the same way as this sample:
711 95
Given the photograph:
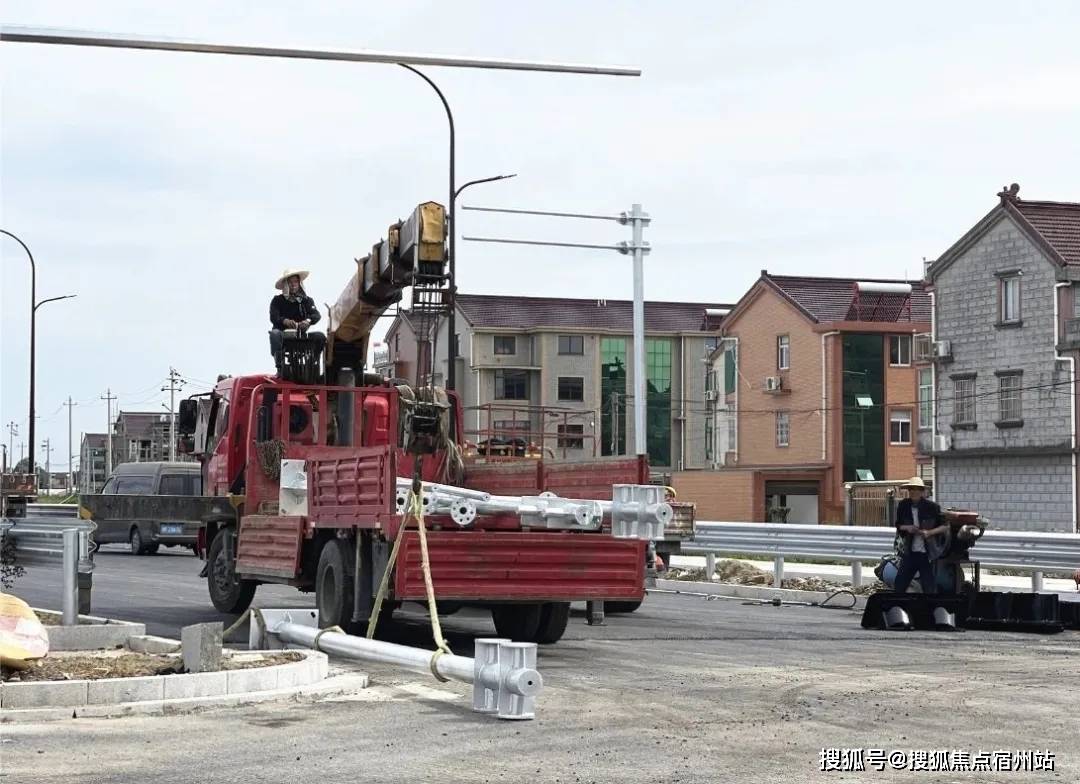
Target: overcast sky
169 190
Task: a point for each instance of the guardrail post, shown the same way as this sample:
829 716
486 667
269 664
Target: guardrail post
70 603
1036 582
710 566
856 574
778 572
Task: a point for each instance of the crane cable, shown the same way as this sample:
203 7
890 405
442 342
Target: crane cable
416 511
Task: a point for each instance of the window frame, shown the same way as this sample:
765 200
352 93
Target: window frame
785 417
1015 397
570 436
500 383
927 422
783 352
559 389
503 353
1005 280
896 350
966 397
569 352
897 417
710 447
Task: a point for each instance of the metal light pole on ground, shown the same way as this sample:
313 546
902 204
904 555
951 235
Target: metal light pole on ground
71 454
637 219
404 60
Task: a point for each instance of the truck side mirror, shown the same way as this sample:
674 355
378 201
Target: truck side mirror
189 413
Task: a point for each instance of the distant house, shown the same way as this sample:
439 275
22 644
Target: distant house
1007 315
92 474
814 384
559 371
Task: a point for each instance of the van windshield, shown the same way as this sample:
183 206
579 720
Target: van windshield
134 485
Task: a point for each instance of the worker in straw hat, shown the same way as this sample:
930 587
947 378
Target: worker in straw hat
919 522
292 309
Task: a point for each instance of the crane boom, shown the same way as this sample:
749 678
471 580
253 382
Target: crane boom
412 254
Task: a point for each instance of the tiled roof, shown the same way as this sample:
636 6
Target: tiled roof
833 299
1057 222
487 310
94 440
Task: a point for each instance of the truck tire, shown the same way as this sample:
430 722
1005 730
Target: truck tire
622 607
554 617
135 541
519 622
228 593
334 586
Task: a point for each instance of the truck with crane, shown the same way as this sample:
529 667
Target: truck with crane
328 479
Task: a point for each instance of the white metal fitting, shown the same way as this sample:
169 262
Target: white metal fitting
639 511
505 678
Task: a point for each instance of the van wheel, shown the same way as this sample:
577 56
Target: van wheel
554 618
135 540
334 586
519 622
228 593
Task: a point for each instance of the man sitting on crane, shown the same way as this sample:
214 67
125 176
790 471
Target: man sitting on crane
292 309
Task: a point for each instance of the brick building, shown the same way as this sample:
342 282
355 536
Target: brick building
560 371
814 384
1007 332
92 474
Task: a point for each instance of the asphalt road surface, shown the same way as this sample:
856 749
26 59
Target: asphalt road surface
684 690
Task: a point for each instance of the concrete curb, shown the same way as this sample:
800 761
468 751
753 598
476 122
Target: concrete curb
755 592
332 687
19 700
92 633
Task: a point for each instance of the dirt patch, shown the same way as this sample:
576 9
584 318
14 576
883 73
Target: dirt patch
125 664
741 573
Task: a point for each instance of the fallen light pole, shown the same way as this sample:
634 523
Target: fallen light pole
503 674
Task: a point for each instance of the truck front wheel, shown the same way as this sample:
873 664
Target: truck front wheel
554 618
229 593
334 586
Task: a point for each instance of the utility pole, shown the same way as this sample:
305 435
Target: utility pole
108 397
48 464
175 385
71 454
22 452
13 430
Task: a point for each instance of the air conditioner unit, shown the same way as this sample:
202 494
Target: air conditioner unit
773 383
942 443
943 349
710 395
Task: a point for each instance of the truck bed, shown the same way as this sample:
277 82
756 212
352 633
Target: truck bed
166 508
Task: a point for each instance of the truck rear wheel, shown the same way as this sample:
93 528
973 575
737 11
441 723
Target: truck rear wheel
622 607
554 617
228 592
334 586
519 622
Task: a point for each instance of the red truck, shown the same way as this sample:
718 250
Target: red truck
302 478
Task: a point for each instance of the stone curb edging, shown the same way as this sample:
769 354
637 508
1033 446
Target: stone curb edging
332 687
92 633
754 592
77 696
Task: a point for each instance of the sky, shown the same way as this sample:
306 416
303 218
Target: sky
169 190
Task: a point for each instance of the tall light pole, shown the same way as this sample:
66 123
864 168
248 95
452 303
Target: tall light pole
405 60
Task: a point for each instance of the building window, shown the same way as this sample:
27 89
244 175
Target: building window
708 438
571 437
783 352
457 344
783 428
658 401
729 370
612 396
1010 402
964 401
511 385
900 350
1009 298
926 398
505 344
571 344
923 347
571 388
732 423
900 427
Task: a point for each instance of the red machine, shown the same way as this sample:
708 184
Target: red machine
312 474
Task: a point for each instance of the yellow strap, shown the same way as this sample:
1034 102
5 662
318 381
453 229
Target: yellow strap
321 632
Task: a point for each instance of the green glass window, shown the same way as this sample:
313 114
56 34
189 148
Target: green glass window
729 371
658 401
864 360
613 396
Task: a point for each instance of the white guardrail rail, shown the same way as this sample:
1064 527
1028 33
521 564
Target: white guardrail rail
51 535
1025 551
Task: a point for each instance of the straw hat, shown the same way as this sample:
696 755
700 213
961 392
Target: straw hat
915 481
288 273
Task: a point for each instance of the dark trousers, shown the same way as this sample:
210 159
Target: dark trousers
277 336
913 563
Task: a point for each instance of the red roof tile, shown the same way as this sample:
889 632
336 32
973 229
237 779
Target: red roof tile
1057 222
488 310
833 299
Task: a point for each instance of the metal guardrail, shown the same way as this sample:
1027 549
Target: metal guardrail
1026 551
52 541
52 510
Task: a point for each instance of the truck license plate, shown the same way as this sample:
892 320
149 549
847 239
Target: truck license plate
172 529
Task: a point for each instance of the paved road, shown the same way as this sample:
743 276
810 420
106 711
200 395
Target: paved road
685 690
